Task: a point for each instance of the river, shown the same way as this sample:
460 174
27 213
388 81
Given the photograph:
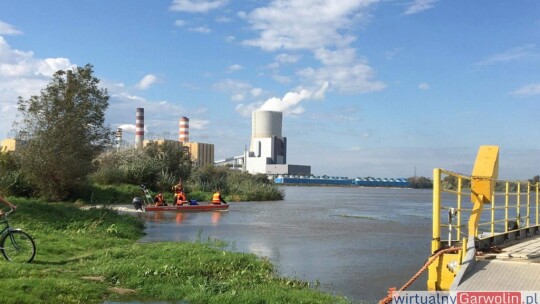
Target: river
356 242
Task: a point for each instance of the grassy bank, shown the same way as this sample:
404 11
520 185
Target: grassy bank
89 256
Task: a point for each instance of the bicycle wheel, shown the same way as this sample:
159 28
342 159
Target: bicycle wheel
18 247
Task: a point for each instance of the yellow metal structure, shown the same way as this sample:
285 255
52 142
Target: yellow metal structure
484 175
500 210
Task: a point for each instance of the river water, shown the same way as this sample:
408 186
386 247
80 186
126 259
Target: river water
356 242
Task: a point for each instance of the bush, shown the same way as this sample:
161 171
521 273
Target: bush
235 185
12 180
156 166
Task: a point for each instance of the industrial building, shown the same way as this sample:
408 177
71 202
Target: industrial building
200 154
10 144
268 149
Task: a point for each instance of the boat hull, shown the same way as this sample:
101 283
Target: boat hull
187 208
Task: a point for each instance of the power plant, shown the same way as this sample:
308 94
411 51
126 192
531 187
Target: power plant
267 153
268 150
200 153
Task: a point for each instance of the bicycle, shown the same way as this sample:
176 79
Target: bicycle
16 245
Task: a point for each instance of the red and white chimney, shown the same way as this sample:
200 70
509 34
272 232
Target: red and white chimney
139 128
183 131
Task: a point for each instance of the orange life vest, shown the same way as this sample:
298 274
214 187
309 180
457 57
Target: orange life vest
180 197
159 200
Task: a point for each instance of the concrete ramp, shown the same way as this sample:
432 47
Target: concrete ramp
516 268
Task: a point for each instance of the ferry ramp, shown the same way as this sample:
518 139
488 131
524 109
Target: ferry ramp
486 232
516 268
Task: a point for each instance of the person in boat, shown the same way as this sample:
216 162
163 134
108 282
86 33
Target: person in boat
179 195
217 199
159 200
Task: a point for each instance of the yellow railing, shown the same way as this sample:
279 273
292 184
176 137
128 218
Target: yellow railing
513 202
477 207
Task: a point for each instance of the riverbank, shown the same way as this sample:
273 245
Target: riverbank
92 256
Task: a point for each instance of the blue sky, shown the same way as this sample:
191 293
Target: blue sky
368 87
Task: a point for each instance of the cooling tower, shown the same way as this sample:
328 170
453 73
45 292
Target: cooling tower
265 124
183 130
139 128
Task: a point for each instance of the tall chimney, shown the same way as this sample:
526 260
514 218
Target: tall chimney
183 132
139 128
118 137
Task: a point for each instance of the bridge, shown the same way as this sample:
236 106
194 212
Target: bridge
485 231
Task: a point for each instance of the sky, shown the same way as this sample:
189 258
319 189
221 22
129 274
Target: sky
381 88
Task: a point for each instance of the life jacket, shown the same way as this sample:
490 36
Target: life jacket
159 200
216 198
180 197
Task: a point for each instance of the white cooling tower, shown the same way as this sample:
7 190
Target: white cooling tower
266 124
267 144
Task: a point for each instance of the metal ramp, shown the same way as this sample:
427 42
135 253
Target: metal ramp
516 268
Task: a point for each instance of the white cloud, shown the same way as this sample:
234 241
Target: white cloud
289 25
49 66
282 79
423 86
198 124
223 20
245 110
287 58
517 53
238 97
527 90
418 6
196 6
22 74
239 90
160 116
147 81
256 92
234 68
344 72
8 29
231 85
289 104
200 29
179 23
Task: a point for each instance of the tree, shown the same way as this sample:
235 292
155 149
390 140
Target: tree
174 164
420 182
64 129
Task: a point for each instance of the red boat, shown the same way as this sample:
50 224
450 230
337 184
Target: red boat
145 203
187 208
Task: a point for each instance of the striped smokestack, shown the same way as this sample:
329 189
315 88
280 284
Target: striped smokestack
139 128
183 132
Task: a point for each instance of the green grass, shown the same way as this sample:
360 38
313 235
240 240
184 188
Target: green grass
87 256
